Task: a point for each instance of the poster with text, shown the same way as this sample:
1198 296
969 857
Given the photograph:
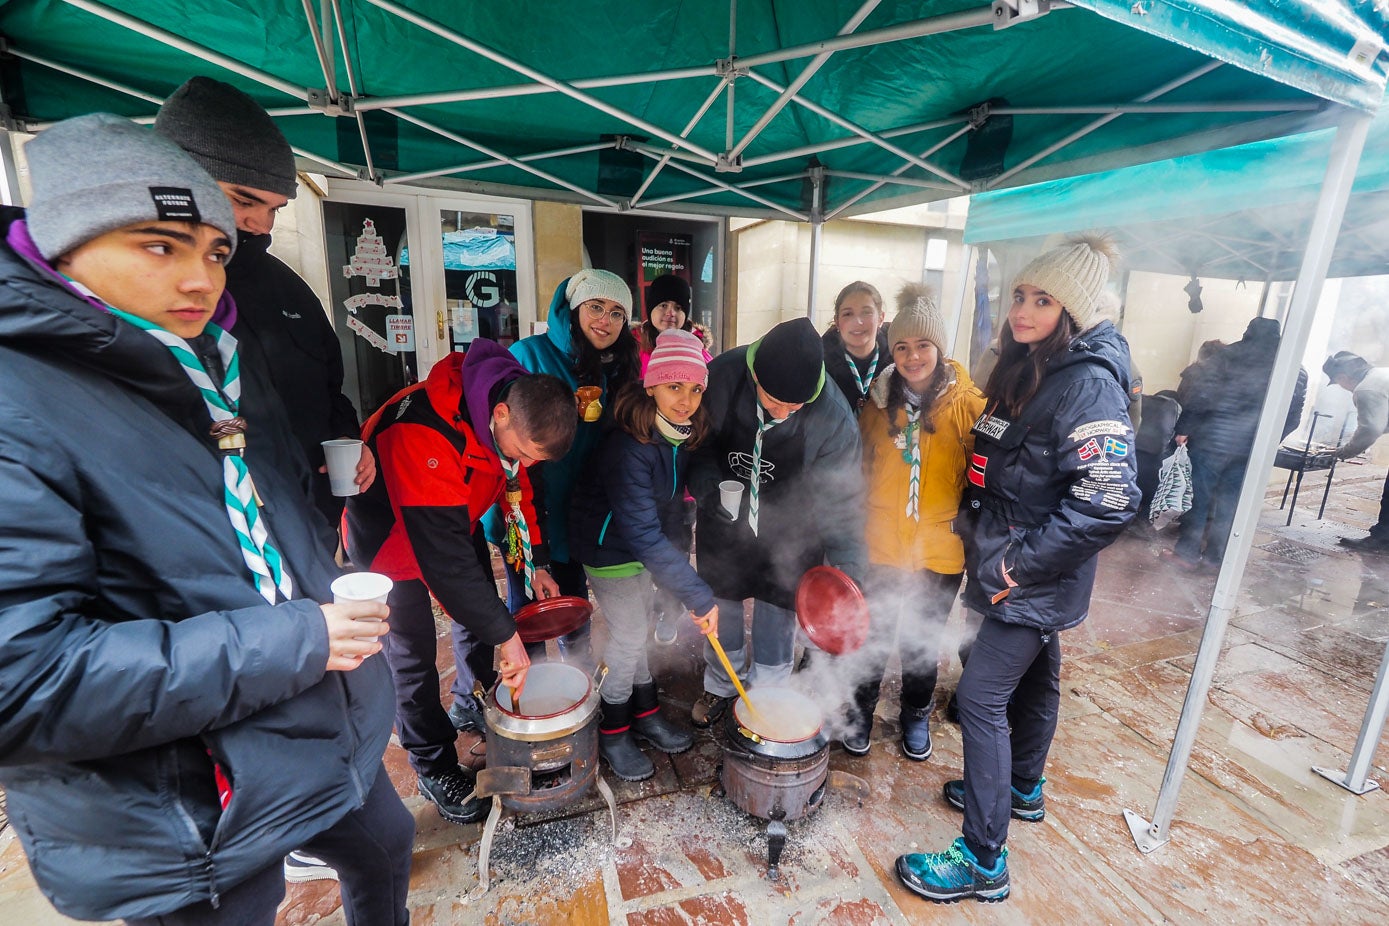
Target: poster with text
659 253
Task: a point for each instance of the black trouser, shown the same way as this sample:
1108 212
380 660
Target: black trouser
411 650
370 850
1012 679
472 660
571 581
1380 529
914 607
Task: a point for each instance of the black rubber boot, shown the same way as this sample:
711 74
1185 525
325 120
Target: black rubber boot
652 726
617 745
858 735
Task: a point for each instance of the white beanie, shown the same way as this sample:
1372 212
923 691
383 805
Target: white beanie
598 284
1074 274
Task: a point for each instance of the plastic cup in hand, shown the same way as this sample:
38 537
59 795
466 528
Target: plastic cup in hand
731 497
342 457
362 586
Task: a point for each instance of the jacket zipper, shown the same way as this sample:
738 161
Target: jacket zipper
604 532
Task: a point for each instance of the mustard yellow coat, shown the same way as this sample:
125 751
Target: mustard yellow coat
894 539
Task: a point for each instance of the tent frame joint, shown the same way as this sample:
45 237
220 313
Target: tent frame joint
1011 12
978 115
728 164
323 101
728 70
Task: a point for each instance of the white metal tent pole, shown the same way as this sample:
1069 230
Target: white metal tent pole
1331 206
498 162
694 194
817 225
966 297
351 70
689 127
1355 779
848 141
534 89
567 89
726 187
876 185
322 48
800 81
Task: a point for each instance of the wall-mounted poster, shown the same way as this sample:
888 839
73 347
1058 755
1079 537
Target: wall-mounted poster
659 253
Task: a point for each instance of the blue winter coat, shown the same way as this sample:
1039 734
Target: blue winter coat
1051 488
132 641
552 352
630 507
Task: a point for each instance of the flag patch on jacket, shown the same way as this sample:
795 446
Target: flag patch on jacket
977 464
1089 450
1114 447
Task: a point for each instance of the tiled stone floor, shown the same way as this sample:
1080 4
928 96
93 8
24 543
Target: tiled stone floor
1258 837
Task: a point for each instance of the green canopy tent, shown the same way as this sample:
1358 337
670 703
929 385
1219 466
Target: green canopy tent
805 109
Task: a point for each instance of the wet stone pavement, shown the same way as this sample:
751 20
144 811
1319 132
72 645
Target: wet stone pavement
1258 837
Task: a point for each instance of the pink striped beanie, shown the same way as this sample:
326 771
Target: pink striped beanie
678 358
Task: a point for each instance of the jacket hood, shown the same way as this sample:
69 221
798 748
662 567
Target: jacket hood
559 321
958 379
1100 344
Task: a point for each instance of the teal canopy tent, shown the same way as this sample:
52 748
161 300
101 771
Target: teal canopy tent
799 108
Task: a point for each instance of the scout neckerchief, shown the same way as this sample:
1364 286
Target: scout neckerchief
675 433
912 455
239 494
516 548
860 380
763 426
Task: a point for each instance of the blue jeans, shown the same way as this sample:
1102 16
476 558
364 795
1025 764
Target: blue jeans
1215 483
773 644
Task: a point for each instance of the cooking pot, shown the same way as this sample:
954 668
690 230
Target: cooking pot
557 700
787 725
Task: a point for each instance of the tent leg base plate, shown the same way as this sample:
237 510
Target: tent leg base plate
1142 832
1337 777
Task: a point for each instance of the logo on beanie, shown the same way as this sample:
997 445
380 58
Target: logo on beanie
175 204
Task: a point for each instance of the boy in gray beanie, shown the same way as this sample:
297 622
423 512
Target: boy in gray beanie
277 314
177 710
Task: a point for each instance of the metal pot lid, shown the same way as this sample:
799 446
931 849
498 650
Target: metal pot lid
552 617
781 715
831 609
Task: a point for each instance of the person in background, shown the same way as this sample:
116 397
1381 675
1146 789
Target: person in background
588 343
916 447
627 526
1369 389
277 314
177 709
794 446
450 448
1221 398
856 347
1051 484
668 299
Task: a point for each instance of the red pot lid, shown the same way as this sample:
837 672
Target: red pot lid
831 609
552 617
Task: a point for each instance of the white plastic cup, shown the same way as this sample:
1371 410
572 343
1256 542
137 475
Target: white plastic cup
342 457
361 586
731 497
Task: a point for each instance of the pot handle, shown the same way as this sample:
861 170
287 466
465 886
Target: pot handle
600 676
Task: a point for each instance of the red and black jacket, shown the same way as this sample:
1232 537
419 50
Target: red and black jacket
438 475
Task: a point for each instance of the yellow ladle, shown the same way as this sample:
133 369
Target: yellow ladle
713 639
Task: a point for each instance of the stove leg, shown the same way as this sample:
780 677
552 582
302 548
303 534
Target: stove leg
776 841
485 852
607 793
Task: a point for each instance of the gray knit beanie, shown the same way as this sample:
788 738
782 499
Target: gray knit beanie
918 316
99 172
229 134
598 284
1074 274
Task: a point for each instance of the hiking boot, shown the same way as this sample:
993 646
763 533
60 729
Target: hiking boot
651 725
945 877
301 867
708 708
1369 544
916 732
1030 807
451 791
617 746
466 714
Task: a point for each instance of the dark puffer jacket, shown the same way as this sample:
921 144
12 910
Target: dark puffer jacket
811 508
132 641
629 507
837 366
1052 488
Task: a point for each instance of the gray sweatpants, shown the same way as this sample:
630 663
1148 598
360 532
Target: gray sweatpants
627 604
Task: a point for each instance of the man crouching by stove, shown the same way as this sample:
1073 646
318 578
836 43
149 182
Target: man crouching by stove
793 445
447 450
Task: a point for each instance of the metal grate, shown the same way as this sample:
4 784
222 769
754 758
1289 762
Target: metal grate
1292 551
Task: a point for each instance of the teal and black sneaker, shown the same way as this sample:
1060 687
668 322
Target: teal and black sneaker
1030 807
945 877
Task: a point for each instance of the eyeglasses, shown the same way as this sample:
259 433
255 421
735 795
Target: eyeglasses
594 310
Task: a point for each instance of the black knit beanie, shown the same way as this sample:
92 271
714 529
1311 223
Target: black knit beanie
230 135
668 288
790 361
